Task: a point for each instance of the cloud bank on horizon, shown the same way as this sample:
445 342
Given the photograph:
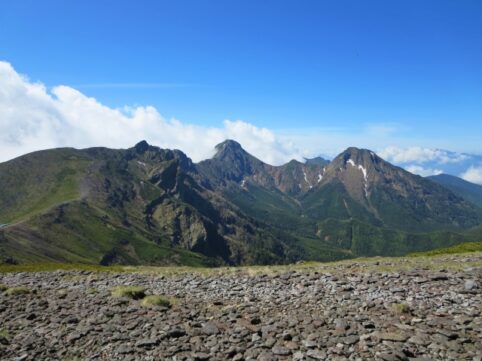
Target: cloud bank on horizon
33 117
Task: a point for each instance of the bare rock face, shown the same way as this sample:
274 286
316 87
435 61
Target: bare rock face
183 225
391 309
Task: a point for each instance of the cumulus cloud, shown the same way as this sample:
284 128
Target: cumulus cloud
424 172
432 161
421 155
473 174
34 118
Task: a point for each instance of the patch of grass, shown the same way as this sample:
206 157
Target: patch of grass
74 278
400 308
74 358
56 266
134 292
3 287
92 291
4 337
157 300
468 247
368 264
17 291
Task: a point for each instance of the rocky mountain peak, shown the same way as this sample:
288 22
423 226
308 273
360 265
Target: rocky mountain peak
316 161
358 170
358 156
228 147
141 147
231 163
364 161
145 154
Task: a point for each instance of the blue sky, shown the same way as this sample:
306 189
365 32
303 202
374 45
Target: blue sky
410 70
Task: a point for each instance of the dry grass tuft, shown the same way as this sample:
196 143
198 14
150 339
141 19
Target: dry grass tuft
134 292
158 300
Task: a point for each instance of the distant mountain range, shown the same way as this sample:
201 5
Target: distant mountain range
147 205
469 191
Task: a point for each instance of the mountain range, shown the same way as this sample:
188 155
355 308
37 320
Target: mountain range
147 205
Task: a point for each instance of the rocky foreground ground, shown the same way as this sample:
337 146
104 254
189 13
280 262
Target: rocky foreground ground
391 309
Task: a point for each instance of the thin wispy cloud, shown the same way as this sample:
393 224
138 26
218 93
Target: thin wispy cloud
424 172
422 155
136 85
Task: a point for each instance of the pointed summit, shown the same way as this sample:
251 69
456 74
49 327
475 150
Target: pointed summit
358 155
378 192
229 143
231 163
362 159
354 168
228 147
141 147
233 157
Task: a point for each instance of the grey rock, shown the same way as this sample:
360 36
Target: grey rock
310 343
123 350
316 354
74 337
350 340
392 356
470 285
280 350
266 356
176 333
392 336
201 356
148 342
210 328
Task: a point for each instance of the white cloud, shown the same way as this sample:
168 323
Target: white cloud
473 174
421 155
33 118
424 172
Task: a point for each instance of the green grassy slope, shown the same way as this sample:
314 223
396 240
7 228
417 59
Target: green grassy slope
32 184
330 225
77 232
269 206
333 201
467 247
363 239
79 206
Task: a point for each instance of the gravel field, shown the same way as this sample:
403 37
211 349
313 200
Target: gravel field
382 310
